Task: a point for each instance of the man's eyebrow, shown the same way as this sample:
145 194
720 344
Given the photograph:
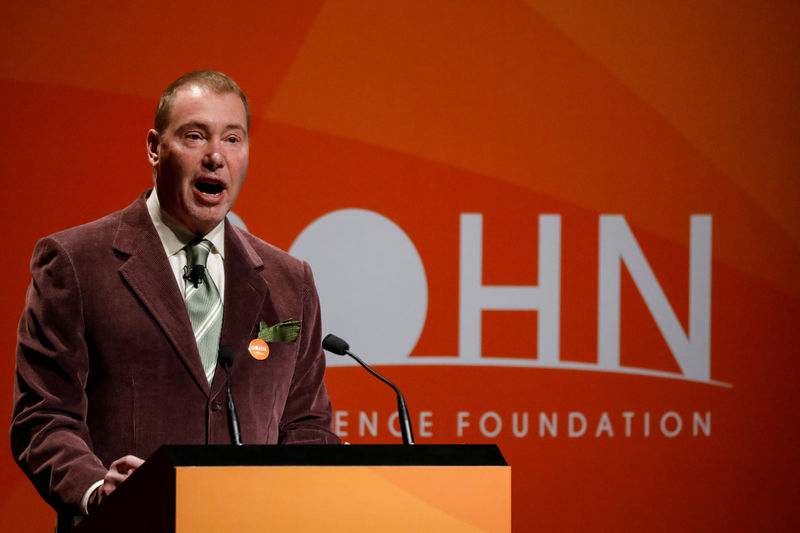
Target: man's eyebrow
205 127
193 125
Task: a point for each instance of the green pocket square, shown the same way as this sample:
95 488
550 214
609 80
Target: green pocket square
285 331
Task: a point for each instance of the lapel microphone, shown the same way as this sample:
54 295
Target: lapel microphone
195 275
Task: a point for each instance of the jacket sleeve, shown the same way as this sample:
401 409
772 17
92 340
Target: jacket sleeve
307 416
49 436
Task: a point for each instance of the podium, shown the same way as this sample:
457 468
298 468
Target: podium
353 488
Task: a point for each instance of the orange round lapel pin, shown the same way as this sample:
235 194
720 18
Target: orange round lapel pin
258 349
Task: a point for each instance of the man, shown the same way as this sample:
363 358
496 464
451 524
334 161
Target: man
116 356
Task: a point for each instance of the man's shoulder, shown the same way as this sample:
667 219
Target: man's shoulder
85 234
97 233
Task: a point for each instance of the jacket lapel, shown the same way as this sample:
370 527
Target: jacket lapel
148 273
246 290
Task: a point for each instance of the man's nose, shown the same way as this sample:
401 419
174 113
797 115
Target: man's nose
213 160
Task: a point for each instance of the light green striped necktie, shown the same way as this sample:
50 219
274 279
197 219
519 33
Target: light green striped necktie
204 305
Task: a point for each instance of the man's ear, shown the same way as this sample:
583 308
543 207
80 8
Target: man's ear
153 141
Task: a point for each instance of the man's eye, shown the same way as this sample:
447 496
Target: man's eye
193 136
233 140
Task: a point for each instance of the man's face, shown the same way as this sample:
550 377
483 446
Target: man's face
201 158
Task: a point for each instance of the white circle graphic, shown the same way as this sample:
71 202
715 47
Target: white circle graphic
371 283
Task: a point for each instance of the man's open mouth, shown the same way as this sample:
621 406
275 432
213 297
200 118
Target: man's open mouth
209 187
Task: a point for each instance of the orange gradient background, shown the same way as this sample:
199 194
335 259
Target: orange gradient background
424 110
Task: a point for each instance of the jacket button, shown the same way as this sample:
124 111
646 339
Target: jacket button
216 405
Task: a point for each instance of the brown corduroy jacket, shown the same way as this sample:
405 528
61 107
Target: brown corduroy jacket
107 364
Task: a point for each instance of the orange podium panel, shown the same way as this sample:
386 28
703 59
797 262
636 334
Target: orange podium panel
354 488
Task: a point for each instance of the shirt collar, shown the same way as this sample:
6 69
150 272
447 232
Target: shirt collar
174 235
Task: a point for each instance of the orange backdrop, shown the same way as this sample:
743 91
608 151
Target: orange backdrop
424 111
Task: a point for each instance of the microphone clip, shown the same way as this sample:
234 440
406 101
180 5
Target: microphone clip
194 274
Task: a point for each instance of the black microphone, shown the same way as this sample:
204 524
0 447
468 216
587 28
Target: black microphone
195 274
226 362
339 346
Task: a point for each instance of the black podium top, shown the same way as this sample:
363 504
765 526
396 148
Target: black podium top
332 455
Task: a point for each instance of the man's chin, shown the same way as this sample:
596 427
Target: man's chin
206 220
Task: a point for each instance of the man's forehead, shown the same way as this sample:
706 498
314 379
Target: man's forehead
194 90
189 105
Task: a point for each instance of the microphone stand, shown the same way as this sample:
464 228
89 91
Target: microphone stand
334 344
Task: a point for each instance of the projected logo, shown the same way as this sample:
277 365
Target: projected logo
374 288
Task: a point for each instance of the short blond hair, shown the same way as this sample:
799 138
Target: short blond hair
216 82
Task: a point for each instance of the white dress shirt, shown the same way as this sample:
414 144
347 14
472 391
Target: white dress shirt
175 236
